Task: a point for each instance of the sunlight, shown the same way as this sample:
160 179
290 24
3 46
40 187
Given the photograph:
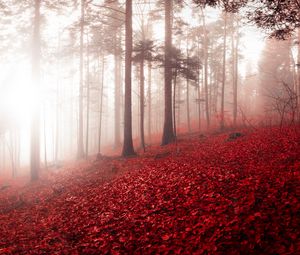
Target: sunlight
158 30
252 43
17 100
149 127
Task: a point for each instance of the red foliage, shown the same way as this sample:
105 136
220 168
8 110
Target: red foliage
209 197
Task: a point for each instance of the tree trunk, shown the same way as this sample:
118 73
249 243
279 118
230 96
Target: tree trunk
11 149
138 99
45 140
235 71
205 50
101 105
298 69
216 92
18 149
174 104
198 88
222 125
142 103
87 102
178 93
128 144
142 90
199 103
168 132
117 58
57 111
149 99
210 88
35 122
188 93
188 105
80 150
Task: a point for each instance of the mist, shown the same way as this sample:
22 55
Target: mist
106 86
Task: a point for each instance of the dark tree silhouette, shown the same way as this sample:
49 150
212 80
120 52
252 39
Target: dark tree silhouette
128 149
279 18
168 132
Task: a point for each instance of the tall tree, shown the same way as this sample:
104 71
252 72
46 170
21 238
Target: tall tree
80 149
101 104
117 71
149 103
35 122
188 89
87 100
128 149
168 131
205 56
235 59
222 124
298 70
143 52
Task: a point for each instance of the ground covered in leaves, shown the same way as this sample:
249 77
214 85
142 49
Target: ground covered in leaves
209 195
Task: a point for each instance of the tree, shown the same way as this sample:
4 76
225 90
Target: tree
35 122
143 52
235 60
205 56
112 19
149 103
117 79
114 30
101 104
274 72
80 150
87 100
168 131
222 124
278 18
298 71
185 67
128 149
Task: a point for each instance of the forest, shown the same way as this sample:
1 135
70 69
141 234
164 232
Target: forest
150 127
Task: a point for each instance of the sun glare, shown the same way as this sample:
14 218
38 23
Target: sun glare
19 96
252 43
251 46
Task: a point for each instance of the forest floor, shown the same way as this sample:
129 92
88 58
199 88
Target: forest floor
208 195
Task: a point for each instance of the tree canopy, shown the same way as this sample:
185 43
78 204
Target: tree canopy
278 18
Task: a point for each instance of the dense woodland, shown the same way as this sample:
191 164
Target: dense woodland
157 127
115 73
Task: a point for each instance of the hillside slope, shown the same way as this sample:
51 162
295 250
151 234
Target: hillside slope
209 196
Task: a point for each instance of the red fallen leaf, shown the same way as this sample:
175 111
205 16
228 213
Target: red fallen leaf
258 196
165 237
5 250
122 239
99 239
257 214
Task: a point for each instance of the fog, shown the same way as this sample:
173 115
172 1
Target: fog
226 73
